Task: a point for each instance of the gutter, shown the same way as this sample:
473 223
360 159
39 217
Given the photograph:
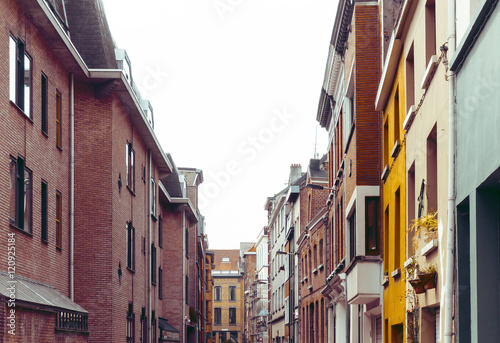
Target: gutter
450 237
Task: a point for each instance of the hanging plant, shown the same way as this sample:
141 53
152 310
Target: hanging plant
426 227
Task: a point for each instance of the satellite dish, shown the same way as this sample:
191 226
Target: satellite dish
263 313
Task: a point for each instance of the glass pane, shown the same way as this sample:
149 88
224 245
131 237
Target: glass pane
27 86
12 212
12 70
27 200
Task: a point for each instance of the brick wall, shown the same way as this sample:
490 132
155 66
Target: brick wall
23 137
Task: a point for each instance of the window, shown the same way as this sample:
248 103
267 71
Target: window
320 252
153 264
232 316
232 293
130 324
371 219
160 283
160 231
58 220
430 30
432 172
44 112
130 165
187 288
396 118
44 211
144 326
153 197
397 229
153 327
20 195
130 246
218 293
186 233
58 120
217 316
410 79
20 76
225 259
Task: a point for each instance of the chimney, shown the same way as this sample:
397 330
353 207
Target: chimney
295 173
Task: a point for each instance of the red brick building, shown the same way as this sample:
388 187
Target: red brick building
104 226
347 111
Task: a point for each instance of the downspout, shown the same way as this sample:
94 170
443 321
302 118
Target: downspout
71 186
450 240
150 238
184 327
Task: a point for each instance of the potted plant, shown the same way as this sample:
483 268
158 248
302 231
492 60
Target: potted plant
428 276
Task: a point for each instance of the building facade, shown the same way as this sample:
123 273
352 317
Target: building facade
227 297
477 172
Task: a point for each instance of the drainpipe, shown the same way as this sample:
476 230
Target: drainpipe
184 327
148 216
71 186
450 240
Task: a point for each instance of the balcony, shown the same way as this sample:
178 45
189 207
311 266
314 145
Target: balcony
361 276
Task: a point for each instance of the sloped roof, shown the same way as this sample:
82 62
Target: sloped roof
90 33
36 292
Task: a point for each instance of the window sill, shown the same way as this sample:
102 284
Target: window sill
131 190
59 148
131 270
154 217
45 134
21 111
21 230
59 249
396 273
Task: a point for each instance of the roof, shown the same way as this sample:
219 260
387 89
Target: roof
36 292
90 33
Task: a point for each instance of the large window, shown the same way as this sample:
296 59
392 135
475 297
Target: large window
217 316
130 165
217 293
20 195
130 246
371 213
144 326
20 76
352 236
232 293
58 220
232 316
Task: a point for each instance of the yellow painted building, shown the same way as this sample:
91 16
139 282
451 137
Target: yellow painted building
227 298
393 209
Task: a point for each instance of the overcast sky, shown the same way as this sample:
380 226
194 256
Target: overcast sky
235 86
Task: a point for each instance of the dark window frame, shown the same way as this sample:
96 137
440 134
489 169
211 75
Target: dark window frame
21 196
372 226
217 293
160 283
130 324
130 166
58 220
130 247
232 316
217 316
153 264
44 211
160 231
44 83
232 293
59 119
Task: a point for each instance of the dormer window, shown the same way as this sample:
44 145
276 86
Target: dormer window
148 112
123 63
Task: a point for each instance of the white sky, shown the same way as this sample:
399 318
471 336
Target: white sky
235 86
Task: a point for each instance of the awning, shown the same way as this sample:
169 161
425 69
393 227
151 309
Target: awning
35 292
168 332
